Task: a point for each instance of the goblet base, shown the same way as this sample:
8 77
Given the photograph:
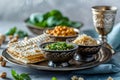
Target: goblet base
81 58
105 44
56 64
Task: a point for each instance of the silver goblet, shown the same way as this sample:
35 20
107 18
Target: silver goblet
103 19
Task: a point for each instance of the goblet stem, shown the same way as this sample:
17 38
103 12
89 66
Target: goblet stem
103 38
105 44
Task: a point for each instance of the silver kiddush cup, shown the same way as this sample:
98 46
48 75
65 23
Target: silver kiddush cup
103 19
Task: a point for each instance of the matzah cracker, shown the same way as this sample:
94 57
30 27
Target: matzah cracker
28 51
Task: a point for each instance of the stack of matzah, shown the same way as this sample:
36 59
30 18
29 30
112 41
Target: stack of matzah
28 51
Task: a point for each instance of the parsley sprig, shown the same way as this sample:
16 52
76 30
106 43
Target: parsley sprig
22 76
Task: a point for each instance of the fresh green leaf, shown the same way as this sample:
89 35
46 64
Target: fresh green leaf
25 76
21 33
15 75
11 31
39 18
65 19
51 19
22 76
75 24
14 31
46 16
35 18
54 78
55 13
41 24
63 23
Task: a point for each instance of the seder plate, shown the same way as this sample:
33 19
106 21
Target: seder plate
102 56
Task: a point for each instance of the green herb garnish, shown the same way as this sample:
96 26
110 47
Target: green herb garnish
22 76
59 46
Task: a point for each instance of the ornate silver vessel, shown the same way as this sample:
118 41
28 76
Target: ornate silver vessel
103 19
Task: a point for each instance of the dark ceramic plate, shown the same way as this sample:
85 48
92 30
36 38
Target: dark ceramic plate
103 56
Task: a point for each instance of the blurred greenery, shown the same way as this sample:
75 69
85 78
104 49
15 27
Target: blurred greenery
14 31
51 19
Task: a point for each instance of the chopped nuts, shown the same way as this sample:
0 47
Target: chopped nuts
13 40
3 63
2 39
1 58
26 38
110 78
10 37
3 75
76 78
80 78
37 50
17 36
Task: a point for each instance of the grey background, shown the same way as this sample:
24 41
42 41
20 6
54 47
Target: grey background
78 10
